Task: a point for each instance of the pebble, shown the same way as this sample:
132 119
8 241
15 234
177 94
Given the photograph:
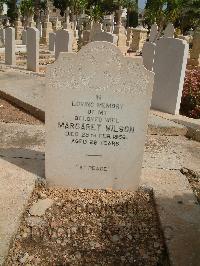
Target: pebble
115 238
39 208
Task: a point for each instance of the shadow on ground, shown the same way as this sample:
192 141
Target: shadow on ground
30 160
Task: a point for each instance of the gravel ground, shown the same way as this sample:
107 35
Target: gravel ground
10 113
88 227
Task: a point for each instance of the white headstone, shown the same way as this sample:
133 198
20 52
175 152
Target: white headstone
148 53
10 57
105 36
33 39
153 33
63 43
97 105
24 37
169 31
52 39
169 68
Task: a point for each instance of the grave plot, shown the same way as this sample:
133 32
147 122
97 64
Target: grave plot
88 227
10 113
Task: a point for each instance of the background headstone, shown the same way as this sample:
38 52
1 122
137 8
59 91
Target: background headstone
148 54
33 38
105 36
153 33
2 37
10 57
52 39
195 53
63 43
24 37
169 68
169 31
97 105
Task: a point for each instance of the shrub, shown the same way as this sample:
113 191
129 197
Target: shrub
190 102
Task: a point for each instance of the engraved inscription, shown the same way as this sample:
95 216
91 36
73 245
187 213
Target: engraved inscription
95 124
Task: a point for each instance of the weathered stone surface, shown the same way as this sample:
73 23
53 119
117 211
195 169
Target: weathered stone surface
169 31
2 37
10 58
178 212
169 68
153 33
148 54
52 38
105 36
24 33
139 37
39 208
33 38
107 100
63 43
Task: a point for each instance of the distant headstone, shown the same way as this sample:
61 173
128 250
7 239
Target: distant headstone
153 33
169 68
148 53
96 28
63 43
24 37
52 39
39 27
129 36
195 53
139 36
2 37
105 36
169 31
33 38
10 57
97 105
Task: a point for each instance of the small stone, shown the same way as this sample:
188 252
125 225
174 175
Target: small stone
115 238
24 258
184 171
39 208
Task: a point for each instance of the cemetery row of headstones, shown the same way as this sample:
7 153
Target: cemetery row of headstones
167 57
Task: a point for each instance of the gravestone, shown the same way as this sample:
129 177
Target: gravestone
195 53
39 27
18 29
33 39
169 31
139 36
24 37
169 68
96 28
105 36
10 57
153 33
52 38
2 37
63 43
129 36
97 105
148 53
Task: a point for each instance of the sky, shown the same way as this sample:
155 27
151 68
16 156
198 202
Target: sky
141 3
